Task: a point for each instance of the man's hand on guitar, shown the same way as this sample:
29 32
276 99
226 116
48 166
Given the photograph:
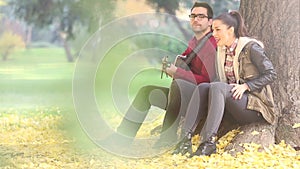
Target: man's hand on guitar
171 70
165 66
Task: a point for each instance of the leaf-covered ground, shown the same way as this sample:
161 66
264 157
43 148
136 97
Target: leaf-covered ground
38 140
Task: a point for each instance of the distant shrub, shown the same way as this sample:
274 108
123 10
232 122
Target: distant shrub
10 41
41 44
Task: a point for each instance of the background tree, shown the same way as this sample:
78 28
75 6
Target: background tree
65 14
171 6
218 6
276 23
68 17
9 41
2 3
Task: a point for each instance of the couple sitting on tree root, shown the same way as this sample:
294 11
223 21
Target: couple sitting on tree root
229 75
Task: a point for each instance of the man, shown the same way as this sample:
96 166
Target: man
201 69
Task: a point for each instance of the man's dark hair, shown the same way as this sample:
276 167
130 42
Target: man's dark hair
210 12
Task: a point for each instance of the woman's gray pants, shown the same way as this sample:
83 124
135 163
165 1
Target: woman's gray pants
216 99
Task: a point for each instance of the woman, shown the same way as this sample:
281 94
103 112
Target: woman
242 89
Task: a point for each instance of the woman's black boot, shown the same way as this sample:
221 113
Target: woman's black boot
184 146
206 148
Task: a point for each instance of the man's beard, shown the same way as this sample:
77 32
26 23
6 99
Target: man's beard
200 31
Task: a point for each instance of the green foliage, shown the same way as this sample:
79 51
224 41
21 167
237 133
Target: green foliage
40 44
110 72
9 42
223 6
172 5
64 14
2 3
164 43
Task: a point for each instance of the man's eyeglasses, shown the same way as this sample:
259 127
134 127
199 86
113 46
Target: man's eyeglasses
201 16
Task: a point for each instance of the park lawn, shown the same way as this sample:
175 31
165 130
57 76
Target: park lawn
37 83
42 77
36 78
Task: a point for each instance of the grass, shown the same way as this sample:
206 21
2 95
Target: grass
40 79
36 78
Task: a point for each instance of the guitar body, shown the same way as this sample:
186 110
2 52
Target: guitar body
180 61
184 61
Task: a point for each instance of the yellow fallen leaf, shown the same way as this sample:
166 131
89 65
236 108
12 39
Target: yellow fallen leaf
296 125
39 142
255 133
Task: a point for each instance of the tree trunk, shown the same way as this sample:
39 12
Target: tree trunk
276 23
6 52
183 31
68 52
4 56
63 36
177 22
28 35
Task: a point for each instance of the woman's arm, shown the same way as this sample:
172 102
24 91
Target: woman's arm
265 67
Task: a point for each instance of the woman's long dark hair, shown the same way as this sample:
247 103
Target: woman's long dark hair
235 20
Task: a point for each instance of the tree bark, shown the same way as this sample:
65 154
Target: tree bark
6 52
258 133
186 35
28 35
276 23
63 36
177 22
68 52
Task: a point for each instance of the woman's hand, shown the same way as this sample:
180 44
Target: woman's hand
238 90
171 70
